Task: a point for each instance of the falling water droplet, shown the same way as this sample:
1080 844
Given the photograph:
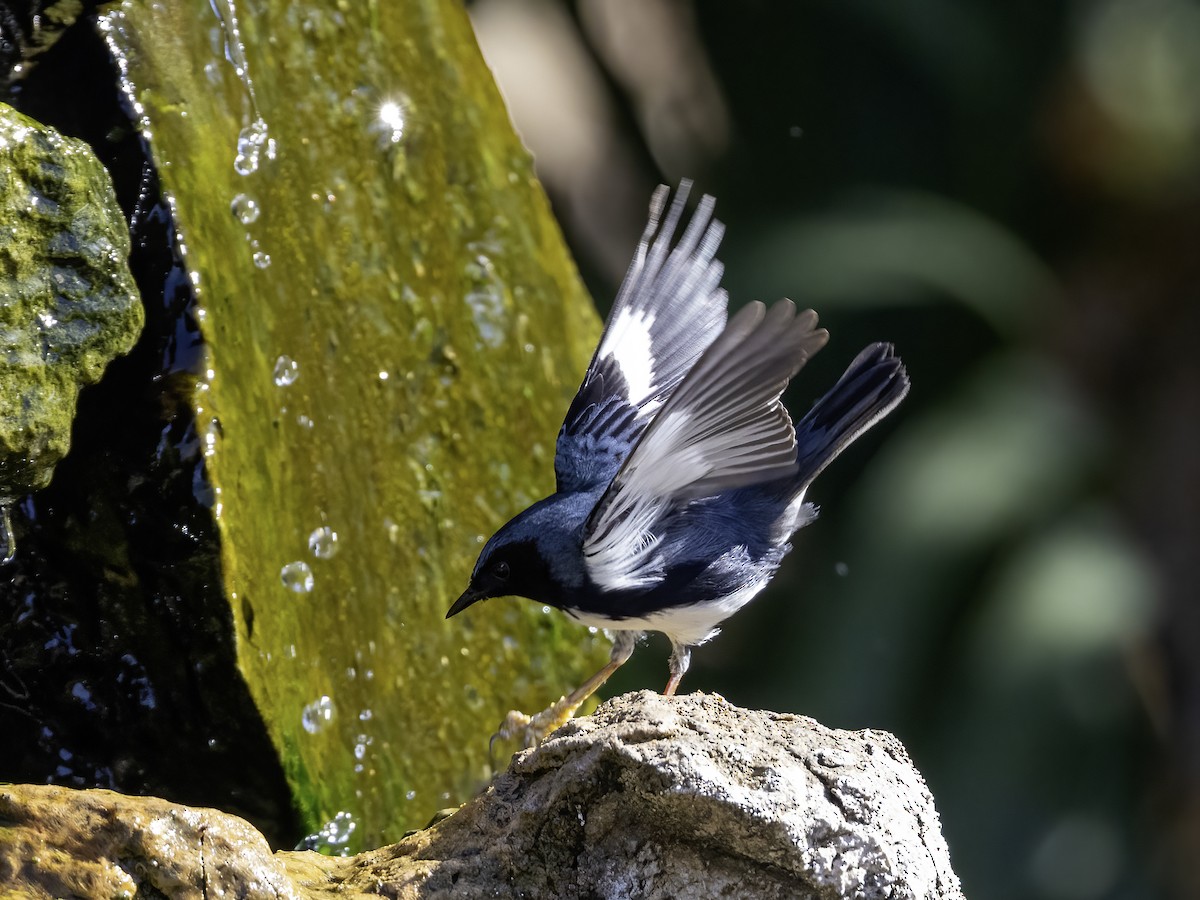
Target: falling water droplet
261 260
323 542
8 541
287 370
297 576
391 121
361 743
245 208
251 141
317 715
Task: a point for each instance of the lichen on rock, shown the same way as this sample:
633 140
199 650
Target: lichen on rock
68 304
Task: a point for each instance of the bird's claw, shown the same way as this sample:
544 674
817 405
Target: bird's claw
532 730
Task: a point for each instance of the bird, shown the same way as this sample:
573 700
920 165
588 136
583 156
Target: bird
680 478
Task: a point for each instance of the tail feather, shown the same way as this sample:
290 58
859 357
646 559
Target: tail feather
868 390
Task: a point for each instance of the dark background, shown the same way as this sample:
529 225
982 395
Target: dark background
1004 571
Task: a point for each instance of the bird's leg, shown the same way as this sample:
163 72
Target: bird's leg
533 729
681 658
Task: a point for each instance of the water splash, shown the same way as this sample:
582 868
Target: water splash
254 139
333 838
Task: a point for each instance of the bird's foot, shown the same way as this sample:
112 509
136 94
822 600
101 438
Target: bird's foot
532 730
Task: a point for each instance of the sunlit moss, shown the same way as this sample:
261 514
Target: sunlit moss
68 304
353 202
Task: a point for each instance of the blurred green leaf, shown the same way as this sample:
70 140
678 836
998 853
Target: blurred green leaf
881 246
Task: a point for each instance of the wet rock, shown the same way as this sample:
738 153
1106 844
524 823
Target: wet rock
57 842
68 304
364 327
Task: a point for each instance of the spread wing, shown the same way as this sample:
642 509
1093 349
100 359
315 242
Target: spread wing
723 428
669 309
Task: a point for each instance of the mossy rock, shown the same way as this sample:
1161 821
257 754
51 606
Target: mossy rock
394 329
68 304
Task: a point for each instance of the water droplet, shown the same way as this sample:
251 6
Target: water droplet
317 715
8 541
212 431
297 576
252 140
245 208
261 260
304 421
393 114
323 542
361 743
365 715
287 370
410 795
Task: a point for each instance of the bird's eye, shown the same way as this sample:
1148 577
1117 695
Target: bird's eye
500 570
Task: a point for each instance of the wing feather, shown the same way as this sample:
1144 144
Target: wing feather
668 310
724 427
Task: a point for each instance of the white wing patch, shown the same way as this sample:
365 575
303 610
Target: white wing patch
670 305
629 342
724 427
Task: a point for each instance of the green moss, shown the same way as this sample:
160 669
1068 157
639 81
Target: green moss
395 330
68 304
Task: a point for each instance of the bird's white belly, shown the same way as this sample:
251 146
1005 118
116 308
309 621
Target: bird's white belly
686 625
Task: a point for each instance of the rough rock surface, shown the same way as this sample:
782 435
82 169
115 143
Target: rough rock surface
68 303
59 842
683 797
651 797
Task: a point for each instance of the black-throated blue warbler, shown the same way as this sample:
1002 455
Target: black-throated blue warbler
680 477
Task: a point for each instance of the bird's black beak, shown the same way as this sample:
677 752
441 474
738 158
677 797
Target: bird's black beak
469 597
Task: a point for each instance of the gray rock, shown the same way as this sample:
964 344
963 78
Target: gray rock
651 797
682 797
